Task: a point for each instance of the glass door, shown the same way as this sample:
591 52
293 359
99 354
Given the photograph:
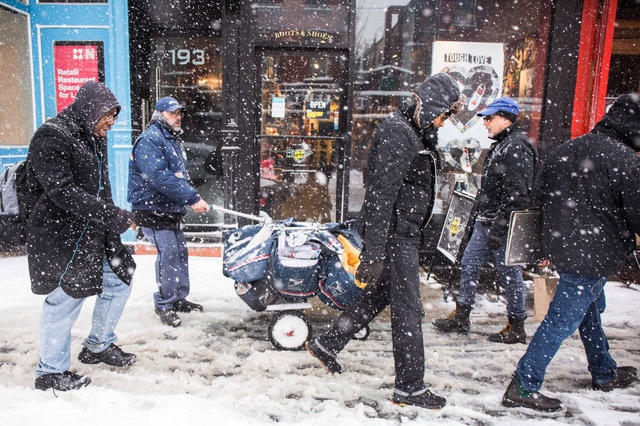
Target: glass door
303 105
188 67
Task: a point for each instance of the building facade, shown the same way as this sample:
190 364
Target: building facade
283 95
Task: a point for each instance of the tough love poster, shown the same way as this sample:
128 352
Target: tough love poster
478 67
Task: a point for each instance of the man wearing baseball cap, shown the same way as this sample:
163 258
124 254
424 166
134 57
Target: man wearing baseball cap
507 182
159 191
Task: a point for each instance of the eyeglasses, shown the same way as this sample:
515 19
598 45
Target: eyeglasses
110 117
488 118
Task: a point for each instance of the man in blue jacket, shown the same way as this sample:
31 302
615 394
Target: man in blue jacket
159 190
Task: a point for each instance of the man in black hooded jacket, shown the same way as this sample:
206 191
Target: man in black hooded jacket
590 198
398 204
73 240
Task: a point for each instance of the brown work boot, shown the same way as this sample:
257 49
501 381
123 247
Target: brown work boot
457 322
512 333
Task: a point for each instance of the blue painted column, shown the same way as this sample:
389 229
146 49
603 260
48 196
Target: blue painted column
120 135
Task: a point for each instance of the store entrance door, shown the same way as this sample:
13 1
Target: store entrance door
302 117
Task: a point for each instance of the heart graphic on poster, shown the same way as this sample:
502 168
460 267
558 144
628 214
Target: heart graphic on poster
462 154
481 85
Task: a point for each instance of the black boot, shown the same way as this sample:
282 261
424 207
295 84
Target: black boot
624 378
113 355
424 399
515 396
512 333
457 322
327 359
184 305
61 381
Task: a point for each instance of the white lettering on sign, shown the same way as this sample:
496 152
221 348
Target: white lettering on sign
467 57
74 64
186 56
81 54
317 104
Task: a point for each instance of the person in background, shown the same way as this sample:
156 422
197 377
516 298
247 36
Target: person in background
398 203
73 240
159 190
591 214
507 183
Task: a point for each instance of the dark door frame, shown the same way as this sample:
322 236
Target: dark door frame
344 126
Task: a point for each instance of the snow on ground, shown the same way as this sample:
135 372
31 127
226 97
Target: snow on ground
220 368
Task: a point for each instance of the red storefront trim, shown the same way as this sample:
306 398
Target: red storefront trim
594 57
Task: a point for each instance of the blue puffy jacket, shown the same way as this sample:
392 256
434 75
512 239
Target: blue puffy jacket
158 174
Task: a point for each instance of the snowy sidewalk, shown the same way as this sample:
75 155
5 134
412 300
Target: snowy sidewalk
219 368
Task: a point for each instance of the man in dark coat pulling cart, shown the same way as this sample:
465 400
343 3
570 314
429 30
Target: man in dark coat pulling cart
399 199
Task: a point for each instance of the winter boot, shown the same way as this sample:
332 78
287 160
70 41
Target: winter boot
512 333
169 317
327 359
424 399
457 322
515 396
61 381
184 305
625 377
113 355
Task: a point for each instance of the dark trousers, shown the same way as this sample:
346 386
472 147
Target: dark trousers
399 287
172 266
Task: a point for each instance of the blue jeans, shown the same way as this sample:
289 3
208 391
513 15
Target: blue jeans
577 304
172 266
60 311
476 255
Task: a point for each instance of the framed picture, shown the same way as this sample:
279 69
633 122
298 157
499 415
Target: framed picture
524 238
455 225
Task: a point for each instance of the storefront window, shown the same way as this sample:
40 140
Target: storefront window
300 144
492 48
17 124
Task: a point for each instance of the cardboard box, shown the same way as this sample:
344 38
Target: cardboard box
544 288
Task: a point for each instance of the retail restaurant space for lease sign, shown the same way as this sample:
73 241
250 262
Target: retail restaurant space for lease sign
74 64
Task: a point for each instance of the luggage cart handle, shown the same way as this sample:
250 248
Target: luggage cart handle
266 219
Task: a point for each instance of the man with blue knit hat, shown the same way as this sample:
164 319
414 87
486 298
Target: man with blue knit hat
507 182
159 190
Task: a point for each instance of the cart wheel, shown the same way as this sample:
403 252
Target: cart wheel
362 334
289 330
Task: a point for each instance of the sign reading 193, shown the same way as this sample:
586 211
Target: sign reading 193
187 57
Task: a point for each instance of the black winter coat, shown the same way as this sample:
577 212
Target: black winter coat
71 208
591 194
508 178
401 171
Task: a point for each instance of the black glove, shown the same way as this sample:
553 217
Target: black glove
493 242
368 272
121 222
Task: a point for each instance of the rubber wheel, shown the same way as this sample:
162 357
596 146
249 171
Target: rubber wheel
362 334
289 330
